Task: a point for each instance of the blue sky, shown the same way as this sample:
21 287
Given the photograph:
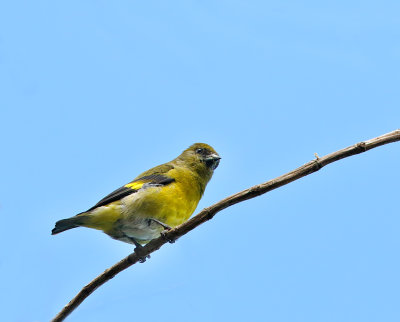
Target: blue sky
95 92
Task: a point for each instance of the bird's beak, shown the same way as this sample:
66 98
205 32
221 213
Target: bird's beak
212 161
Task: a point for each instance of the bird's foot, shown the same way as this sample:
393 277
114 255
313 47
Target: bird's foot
168 239
163 233
139 252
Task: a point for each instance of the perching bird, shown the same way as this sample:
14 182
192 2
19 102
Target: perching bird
160 198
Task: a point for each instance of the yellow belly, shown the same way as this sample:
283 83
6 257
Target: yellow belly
170 204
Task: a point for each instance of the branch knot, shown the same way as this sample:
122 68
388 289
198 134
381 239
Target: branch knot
362 146
317 164
208 214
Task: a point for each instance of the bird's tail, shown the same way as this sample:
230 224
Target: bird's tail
65 224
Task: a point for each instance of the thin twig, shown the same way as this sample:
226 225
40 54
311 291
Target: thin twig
209 212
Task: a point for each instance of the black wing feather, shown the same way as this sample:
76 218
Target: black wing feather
114 196
153 179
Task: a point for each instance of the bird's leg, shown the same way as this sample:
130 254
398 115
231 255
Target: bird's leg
138 249
166 227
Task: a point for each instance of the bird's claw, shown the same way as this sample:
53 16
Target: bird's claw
164 235
142 258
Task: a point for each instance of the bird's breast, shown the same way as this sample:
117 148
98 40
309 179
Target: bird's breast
172 204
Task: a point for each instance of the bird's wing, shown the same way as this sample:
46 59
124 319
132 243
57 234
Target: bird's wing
157 176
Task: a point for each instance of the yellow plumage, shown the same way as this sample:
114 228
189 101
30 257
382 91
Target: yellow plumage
164 196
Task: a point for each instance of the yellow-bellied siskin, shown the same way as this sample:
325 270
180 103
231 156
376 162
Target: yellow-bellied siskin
162 197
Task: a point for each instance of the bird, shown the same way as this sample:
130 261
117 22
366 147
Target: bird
158 199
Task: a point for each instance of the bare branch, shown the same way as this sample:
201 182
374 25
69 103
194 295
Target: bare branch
209 212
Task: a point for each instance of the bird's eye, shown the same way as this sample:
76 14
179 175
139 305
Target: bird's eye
199 151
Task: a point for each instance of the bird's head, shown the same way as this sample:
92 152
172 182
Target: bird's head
201 157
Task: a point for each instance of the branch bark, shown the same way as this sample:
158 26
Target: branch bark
209 212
